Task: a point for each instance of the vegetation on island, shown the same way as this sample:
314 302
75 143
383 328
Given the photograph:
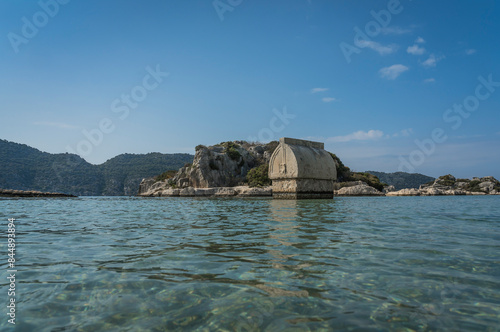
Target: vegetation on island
230 148
344 175
258 176
473 185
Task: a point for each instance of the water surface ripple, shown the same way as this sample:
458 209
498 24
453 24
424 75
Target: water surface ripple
187 264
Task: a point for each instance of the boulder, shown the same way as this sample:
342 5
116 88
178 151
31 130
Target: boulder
405 192
358 190
389 189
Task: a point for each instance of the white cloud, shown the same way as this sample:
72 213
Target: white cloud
379 48
394 31
415 50
59 125
420 40
432 61
393 71
405 133
470 51
315 90
358 136
429 80
328 99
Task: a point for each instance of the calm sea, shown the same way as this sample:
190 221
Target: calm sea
186 264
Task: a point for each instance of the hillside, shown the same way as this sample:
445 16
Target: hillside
26 168
401 180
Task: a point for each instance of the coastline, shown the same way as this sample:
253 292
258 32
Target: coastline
30 193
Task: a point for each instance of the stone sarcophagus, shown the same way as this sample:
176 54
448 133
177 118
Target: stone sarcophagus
301 169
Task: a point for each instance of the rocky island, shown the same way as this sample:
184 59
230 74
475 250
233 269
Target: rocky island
449 185
227 169
240 168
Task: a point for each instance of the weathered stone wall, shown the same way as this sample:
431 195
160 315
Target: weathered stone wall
301 169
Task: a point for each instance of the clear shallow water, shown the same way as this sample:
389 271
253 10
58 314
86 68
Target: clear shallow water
138 264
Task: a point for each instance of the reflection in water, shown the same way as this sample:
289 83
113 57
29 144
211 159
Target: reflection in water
257 264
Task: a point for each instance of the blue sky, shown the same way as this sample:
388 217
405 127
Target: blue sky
387 85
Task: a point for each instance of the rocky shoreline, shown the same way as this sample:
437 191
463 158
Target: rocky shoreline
238 191
446 185
30 193
223 170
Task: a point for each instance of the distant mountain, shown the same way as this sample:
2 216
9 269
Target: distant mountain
402 180
26 168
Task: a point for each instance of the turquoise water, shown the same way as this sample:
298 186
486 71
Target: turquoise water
185 264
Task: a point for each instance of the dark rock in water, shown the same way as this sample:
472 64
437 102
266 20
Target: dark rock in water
29 193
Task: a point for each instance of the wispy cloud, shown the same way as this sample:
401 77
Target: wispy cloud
395 31
328 99
358 136
415 50
377 47
420 40
392 72
59 125
316 90
430 80
470 51
432 61
403 133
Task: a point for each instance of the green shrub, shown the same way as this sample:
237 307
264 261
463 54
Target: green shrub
165 175
199 147
474 186
343 172
446 180
271 146
369 179
230 148
258 176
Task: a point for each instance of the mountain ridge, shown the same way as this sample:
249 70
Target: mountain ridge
26 168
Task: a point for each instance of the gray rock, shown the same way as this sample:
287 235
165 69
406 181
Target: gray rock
358 190
449 185
214 166
389 189
405 192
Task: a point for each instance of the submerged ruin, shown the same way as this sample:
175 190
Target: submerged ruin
301 169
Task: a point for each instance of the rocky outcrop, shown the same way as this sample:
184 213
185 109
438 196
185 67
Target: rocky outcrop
29 193
240 191
449 185
214 169
389 189
357 188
